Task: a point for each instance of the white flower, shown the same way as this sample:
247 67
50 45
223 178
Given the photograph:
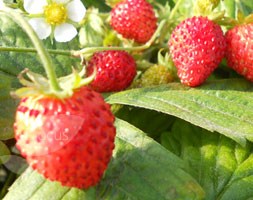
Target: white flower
55 17
1 4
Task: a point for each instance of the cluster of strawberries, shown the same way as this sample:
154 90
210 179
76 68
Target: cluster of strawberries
71 140
198 45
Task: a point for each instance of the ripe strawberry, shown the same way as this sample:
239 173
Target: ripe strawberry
239 53
115 70
134 19
197 46
67 140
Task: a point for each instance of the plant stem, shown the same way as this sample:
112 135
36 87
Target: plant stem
90 50
175 8
43 54
7 184
33 50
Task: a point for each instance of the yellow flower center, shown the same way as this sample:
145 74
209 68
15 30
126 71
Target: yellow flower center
55 13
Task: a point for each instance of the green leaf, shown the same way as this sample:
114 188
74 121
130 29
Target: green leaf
245 6
149 121
98 4
222 167
4 153
32 185
92 31
230 8
185 9
12 63
223 106
140 169
7 107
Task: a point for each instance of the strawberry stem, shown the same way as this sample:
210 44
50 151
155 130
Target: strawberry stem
175 8
43 54
33 50
91 50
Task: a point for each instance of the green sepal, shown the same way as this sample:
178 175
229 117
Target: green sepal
4 153
205 7
166 60
163 10
216 16
231 22
111 39
39 85
248 19
92 29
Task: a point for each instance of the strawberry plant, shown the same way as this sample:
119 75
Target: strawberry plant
126 99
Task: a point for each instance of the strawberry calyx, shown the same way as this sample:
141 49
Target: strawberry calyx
37 84
241 19
166 61
205 7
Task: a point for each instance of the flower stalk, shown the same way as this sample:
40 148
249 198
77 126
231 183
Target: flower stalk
91 50
33 50
42 53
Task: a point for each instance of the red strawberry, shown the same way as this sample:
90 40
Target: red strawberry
115 70
134 19
67 140
239 52
197 46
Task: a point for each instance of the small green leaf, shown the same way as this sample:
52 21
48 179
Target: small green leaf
7 107
245 6
92 31
4 153
6 127
223 106
140 169
230 8
222 167
184 9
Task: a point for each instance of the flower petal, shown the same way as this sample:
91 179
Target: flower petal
35 7
76 10
42 29
65 32
1 4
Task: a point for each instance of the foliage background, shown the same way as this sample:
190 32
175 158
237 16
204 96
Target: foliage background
173 142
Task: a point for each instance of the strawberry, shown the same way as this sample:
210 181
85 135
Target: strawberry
115 70
68 140
239 53
156 75
197 46
134 19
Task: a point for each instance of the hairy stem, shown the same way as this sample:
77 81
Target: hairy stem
43 54
33 50
175 8
90 50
